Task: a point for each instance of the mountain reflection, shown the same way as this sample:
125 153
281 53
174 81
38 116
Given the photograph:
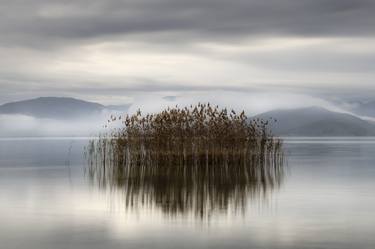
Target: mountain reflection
199 190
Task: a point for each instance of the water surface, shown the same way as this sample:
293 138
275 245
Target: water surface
326 200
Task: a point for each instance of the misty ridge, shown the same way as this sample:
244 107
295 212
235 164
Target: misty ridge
54 116
61 116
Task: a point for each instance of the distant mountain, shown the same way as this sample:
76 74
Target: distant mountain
56 108
316 121
312 121
121 108
170 98
365 109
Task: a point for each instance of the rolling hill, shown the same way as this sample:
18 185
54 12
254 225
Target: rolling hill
57 108
365 109
317 121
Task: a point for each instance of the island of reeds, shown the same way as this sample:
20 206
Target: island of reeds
194 159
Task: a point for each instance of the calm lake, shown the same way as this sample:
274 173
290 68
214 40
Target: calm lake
325 200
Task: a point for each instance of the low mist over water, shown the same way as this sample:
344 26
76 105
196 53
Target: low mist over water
298 114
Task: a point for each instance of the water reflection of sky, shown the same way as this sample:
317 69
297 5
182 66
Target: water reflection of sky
326 201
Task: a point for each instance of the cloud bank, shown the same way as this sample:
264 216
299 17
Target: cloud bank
27 126
113 51
251 103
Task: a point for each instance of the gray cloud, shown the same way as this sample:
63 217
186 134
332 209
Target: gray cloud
40 21
55 47
315 59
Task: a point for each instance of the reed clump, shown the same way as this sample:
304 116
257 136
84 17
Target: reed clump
187 158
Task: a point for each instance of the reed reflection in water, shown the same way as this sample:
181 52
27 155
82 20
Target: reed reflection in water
198 190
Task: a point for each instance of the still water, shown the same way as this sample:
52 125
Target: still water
325 200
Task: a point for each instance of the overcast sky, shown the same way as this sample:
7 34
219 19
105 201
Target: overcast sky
111 51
